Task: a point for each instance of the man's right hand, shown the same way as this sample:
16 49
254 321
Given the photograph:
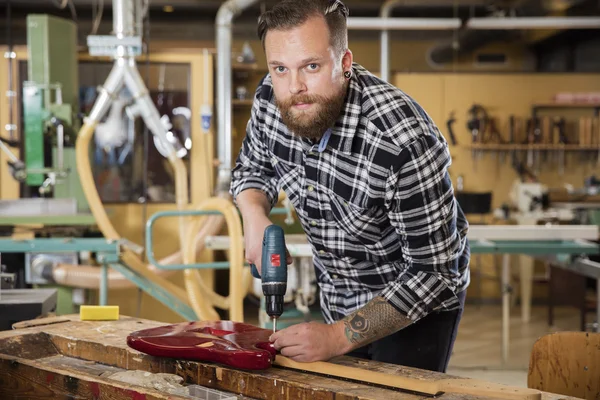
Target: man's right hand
254 208
254 231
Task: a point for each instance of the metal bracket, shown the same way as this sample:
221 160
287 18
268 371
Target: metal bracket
108 45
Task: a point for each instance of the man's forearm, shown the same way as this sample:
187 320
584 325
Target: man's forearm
372 322
253 202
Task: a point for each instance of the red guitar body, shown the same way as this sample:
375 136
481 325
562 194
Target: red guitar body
231 343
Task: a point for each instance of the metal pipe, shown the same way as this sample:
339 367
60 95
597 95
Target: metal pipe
225 15
123 19
60 132
375 23
111 88
534 23
10 55
139 18
385 11
148 111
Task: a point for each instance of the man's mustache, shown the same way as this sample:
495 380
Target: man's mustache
303 98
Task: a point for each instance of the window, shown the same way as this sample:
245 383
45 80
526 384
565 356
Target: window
119 171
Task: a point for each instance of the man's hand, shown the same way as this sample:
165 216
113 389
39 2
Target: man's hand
312 341
254 231
254 207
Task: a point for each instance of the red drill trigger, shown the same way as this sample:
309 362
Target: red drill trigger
275 260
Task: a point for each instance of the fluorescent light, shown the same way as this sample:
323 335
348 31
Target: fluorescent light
534 23
376 23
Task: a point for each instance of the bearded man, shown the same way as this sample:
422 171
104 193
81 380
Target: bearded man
366 170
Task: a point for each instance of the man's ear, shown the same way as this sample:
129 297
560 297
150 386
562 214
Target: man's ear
347 59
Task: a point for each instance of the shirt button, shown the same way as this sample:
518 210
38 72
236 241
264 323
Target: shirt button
334 276
321 251
311 188
313 223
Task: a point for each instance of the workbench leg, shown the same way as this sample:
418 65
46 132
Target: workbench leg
526 264
506 289
598 305
104 285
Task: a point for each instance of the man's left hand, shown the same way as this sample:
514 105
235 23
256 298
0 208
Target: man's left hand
312 341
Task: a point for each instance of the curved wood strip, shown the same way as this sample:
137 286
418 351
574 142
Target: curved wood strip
449 385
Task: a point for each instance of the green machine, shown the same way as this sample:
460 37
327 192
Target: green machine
51 191
50 102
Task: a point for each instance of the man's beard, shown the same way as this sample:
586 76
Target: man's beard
321 116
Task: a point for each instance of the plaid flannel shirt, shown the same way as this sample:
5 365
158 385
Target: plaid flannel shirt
373 196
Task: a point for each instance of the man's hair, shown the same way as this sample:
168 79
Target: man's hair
288 14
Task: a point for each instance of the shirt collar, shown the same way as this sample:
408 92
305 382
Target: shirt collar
343 131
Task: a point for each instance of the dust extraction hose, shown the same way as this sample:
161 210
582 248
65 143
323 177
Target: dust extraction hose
197 292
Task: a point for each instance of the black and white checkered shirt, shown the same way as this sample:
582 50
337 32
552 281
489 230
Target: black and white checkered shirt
373 196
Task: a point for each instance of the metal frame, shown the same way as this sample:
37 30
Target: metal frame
149 240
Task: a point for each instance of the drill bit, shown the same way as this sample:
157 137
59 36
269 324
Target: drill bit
274 324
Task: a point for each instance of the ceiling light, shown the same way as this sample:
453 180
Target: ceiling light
367 23
534 23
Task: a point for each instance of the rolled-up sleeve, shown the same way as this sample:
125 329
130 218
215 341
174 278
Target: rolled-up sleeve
253 169
423 211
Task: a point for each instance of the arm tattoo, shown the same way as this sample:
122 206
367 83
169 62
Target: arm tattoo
374 321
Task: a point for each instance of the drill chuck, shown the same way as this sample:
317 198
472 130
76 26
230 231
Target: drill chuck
274 305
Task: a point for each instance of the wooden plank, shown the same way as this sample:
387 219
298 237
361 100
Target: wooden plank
404 379
26 379
40 322
566 363
30 347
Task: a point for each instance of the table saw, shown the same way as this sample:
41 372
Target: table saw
64 357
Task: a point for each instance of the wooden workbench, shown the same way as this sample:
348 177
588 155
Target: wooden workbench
64 357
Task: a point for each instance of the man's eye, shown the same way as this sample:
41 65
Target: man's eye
313 66
280 69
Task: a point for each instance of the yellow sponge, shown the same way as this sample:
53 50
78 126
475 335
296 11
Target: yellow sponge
99 313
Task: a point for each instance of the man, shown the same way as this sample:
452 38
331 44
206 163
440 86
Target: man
366 170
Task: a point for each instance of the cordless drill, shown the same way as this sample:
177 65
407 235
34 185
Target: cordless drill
274 271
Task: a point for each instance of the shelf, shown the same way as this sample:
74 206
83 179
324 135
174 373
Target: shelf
242 103
244 67
567 105
536 147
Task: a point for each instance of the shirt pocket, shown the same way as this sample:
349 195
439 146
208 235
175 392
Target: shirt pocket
360 223
290 179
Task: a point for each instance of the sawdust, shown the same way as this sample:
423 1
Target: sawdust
167 383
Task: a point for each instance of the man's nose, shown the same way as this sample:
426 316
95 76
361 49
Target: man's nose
297 84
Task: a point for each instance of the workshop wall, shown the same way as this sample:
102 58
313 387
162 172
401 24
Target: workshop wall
503 95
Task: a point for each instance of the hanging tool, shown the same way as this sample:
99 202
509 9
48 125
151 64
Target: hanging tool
274 271
560 125
451 120
477 124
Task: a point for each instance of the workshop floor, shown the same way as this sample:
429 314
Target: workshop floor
478 348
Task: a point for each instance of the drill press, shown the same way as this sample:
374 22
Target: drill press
273 271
